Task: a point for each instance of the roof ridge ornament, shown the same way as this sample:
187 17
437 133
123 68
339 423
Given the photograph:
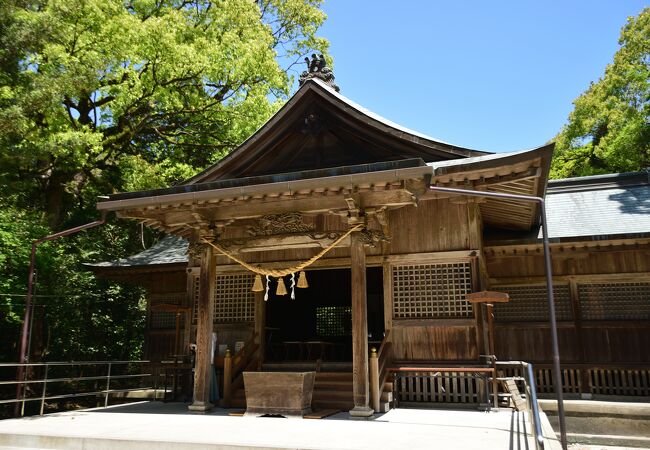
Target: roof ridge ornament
317 68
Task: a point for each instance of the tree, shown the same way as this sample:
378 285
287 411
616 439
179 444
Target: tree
609 128
98 96
95 87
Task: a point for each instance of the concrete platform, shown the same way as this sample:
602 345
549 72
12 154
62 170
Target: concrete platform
605 423
169 426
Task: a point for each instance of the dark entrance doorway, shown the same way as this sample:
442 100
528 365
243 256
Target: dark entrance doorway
318 323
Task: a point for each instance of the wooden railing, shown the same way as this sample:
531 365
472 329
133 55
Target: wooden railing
443 385
379 364
598 379
245 359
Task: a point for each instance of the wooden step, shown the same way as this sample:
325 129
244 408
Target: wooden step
333 404
341 376
334 395
335 384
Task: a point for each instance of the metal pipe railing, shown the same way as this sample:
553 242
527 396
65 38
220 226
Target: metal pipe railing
528 377
47 382
25 335
557 376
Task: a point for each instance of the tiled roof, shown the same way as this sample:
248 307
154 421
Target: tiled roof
169 250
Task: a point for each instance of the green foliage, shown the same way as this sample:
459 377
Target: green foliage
609 128
89 83
102 96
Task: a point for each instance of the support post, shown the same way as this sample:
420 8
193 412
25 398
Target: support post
360 388
375 392
227 378
204 328
490 320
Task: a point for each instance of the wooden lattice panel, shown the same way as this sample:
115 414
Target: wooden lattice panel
196 284
529 303
234 300
332 321
432 291
163 320
614 301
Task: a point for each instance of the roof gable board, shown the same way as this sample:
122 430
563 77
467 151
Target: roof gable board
319 128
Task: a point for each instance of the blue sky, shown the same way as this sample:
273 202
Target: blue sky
489 75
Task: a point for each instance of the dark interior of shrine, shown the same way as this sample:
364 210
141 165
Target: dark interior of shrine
317 324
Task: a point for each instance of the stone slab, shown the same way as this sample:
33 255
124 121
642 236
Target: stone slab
157 426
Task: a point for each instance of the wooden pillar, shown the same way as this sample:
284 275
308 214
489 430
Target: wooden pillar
260 327
204 328
360 387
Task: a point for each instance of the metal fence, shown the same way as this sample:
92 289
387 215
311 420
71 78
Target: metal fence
94 379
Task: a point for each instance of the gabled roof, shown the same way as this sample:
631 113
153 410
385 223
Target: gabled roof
319 128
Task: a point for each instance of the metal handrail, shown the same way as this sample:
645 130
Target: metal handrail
44 381
531 397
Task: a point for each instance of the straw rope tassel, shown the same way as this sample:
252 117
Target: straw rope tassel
282 289
302 280
257 284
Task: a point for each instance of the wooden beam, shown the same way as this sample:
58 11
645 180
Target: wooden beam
204 329
360 386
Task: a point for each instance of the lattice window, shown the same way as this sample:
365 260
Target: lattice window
432 291
614 301
161 320
529 303
333 321
169 298
164 320
234 302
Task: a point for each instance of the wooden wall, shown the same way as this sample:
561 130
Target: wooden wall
434 231
163 287
430 233
620 267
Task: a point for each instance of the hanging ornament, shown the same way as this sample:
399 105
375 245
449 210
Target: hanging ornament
302 280
257 284
282 289
293 286
268 283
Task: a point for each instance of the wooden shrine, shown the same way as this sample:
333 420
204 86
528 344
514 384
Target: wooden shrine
396 267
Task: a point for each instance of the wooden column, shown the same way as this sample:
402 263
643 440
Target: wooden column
204 328
360 387
260 327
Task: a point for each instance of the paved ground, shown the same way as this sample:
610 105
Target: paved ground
161 426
